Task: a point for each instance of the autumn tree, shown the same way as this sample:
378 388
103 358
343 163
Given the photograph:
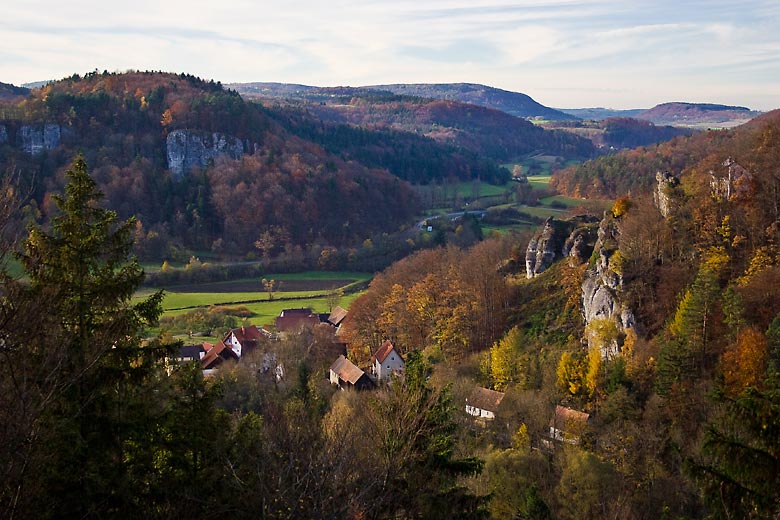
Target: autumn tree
745 364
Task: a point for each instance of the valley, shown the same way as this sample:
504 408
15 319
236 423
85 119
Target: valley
394 301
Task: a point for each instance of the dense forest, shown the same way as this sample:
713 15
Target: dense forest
633 171
292 164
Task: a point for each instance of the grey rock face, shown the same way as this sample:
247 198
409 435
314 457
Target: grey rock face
665 181
187 149
602 284
35 139
541 251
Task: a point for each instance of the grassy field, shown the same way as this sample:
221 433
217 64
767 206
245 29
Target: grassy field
182 299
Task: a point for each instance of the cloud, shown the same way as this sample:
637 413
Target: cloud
608 51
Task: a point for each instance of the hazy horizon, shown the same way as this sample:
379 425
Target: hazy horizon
567 54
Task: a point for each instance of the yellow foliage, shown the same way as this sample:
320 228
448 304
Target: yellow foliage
762 259
621 206
503 355
594 369
570 375
520 439
716 259
745 365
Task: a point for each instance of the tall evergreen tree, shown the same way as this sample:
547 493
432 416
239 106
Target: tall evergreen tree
93 363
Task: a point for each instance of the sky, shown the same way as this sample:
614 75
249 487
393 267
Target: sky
565 54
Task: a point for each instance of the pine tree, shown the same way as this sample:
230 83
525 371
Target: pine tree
82 278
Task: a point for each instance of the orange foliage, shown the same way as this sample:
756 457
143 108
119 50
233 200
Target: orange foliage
745 364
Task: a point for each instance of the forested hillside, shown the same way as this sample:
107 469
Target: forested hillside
634 170
238 171
659 338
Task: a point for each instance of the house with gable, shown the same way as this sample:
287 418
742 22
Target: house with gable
216 354
243 340
568 425
344 374
386 362
483 403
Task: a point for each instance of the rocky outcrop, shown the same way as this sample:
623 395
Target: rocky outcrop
665 182
187 149
36 139
732 184
541 250
579 245
571 239
602 285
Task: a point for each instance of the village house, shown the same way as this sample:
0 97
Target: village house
386 362
483 403
344 374
216 354
291 320
243 340
568 425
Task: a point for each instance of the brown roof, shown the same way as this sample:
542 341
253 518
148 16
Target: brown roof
384 351
215 354
245 334
485 399
290 319
564 416
346 370
337 315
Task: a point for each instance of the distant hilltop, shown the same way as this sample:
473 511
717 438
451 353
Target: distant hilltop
513 103
698 114
10 92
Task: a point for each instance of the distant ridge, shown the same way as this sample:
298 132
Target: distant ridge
9 92
601 113
698 114
513 103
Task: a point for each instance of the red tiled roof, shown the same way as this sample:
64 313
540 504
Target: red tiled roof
384 351
245 334
290 319
216 354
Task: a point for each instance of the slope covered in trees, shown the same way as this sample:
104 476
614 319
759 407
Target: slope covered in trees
680 384
98 422
634 170
512 103
485 131
120 122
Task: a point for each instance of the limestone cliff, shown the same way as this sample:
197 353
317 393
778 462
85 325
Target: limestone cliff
187 149
541 250
571 239
602 284
665 183
35 139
